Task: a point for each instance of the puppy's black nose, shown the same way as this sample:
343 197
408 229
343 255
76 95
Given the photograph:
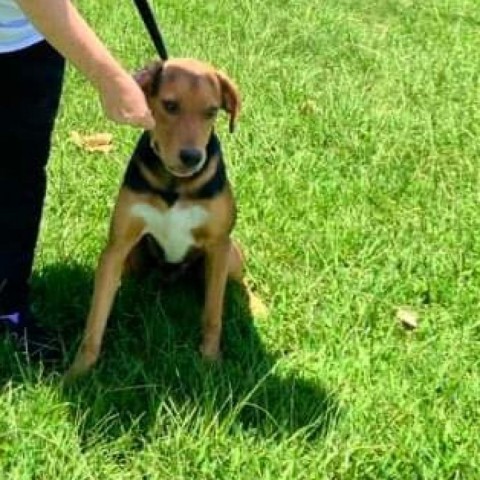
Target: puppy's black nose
190 156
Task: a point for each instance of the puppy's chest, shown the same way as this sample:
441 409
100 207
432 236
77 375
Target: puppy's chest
172 228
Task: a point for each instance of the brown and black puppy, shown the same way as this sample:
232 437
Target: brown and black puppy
175 201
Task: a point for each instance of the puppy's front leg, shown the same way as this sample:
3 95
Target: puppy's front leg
107 281
217 266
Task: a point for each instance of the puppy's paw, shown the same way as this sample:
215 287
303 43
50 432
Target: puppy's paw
210 353
82 364
73 374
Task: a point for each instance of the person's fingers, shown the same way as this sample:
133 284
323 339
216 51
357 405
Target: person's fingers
146 121
137 119
124 102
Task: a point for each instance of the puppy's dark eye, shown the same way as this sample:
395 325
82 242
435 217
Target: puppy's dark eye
211 112
171 106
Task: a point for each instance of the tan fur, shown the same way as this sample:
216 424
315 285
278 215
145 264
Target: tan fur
197 87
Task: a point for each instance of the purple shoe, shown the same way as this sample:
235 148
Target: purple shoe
31 339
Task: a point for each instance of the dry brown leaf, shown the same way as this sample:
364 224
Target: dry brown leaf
97 142
100 148
76 138
308 107
407 317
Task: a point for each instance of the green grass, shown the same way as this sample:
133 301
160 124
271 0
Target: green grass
355 169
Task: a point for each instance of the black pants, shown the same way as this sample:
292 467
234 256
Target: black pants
30 87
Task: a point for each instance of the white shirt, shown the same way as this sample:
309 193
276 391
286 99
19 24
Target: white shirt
16 32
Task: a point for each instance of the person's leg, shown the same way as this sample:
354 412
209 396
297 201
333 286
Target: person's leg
30 88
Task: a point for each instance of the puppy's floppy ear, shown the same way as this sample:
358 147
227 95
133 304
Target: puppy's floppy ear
231 101
149 78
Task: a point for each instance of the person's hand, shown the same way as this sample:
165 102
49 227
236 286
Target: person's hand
123 101
65 29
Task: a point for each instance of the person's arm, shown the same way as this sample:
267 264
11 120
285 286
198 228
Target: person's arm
66 30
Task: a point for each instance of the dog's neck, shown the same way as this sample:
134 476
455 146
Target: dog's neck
147 173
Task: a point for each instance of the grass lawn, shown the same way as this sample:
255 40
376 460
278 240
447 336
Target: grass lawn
356 172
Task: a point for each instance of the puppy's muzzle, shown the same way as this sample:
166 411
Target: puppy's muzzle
191 157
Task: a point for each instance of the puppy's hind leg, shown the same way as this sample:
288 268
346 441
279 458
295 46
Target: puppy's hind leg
236 262
236 271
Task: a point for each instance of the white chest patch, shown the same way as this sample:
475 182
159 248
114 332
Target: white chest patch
173 228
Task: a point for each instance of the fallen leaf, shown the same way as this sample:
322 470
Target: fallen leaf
76 138
97 142
308 107
407 317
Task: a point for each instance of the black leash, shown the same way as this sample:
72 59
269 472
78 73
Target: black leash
152 27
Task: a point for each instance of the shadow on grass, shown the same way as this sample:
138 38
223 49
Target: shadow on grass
150 367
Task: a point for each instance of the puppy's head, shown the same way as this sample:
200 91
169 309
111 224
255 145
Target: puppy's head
185 96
